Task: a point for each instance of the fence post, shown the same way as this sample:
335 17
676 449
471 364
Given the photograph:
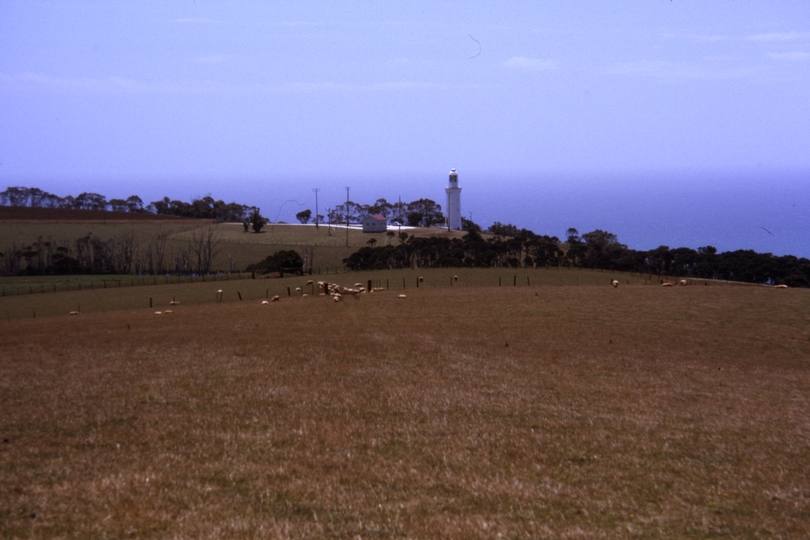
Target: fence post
514 281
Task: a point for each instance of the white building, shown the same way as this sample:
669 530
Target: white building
375 223
453 202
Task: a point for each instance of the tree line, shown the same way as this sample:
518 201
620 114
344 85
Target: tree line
201 208
419 213
510 247
122 254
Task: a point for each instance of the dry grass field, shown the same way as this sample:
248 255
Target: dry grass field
463 412
116 293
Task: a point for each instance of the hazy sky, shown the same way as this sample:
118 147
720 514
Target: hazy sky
262 101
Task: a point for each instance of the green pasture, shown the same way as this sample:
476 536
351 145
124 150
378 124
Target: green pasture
135 292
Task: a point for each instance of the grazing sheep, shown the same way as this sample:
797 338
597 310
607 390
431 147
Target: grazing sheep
402 296
615 283
298 289
782 286
168 312
455 278
74 313
421 279
683 282
276 298
358 284
667 284
336 298
265 302
305 294
158 313
310 282
174 303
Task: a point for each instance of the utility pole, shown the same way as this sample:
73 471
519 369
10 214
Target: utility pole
400 217
347 217
316 190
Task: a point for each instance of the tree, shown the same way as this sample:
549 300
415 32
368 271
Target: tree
304 216
205 246
424 213
468 225
90 201
256 220
502 229
278 262
134 203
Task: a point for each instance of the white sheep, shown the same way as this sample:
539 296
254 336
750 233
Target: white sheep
455 278
781 286
667 284
309 282
402 296
168 312
615 283
276 298
174 303
265 302
74 313
683 282
158 313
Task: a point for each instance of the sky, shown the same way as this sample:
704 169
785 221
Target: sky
677 122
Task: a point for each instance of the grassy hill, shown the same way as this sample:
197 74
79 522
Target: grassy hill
326 246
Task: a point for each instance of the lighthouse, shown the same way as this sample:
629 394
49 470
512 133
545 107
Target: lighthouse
453 202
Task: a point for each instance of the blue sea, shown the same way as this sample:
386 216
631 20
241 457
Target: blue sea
765 211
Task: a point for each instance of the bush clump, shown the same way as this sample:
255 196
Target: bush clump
281 261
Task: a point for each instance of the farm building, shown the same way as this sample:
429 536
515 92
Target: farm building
375 223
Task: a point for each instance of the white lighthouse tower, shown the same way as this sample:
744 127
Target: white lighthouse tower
453 202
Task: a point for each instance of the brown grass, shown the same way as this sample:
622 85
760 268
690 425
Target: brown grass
117 293
455 413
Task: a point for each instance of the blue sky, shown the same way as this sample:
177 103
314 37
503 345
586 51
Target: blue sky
261 102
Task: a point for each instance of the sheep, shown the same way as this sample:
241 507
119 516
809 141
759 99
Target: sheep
683 282
158 313
298 289
310 282
421 279
615 283
402 296
455 278
168 312
74 313
781 286
357 285
174 303
276 298
667 284
336 298
265 302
